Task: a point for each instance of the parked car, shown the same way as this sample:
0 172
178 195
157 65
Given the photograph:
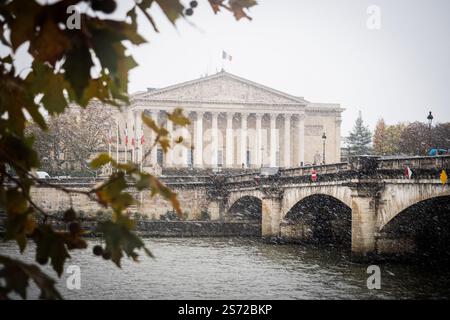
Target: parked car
42 175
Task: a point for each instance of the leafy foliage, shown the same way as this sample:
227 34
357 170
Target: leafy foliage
397 139
70 65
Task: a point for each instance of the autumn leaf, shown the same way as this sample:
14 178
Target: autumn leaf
16 276
119 238
51 43
179 118
173 9
77 68
50 245
23 25
100 161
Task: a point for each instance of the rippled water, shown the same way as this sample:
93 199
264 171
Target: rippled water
242 268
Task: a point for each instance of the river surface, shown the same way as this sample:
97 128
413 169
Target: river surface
241 268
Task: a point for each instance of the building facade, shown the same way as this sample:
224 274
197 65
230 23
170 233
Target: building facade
235 123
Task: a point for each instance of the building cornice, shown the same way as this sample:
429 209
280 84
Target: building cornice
222 74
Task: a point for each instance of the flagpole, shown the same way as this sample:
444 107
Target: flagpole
117 141
141 158
109 146
126 142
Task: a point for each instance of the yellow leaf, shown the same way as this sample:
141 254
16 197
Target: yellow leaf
100 161
179 118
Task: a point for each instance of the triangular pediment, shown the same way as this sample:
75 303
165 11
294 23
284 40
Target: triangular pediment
221 88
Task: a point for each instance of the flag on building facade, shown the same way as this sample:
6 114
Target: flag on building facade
126 135
226 56
119 141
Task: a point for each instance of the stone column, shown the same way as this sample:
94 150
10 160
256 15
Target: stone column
301 138
244 139
184 150
287 140
258 147
271 215
139 133
229 140
214 139
337 132
169 154
198 147
154 153
364 214
273 140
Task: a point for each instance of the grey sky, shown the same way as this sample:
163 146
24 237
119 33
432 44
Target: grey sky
319 49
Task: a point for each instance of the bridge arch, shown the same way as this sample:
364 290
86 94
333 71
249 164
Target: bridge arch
236 195
247 208
397 197
292 196
421 230
318 218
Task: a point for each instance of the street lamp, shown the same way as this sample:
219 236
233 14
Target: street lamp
324 138
430 122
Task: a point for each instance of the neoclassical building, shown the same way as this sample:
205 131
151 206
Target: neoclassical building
235 123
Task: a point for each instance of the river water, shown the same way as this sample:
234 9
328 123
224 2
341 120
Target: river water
241 268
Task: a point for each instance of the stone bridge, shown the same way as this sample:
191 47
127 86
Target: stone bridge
362 201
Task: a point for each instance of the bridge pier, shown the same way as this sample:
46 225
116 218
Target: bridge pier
271 215
364 216
217 209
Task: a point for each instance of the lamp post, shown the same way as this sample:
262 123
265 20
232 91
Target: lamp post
324 138
430 122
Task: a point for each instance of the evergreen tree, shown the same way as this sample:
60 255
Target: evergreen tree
359 140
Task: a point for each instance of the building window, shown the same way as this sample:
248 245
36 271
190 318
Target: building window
248 158
159 157
278 159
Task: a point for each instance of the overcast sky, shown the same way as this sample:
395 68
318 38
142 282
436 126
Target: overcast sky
319 49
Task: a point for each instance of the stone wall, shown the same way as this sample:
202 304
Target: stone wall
198 229
193 201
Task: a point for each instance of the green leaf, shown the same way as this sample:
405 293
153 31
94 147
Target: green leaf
119 238
16 276
77 68
51 245
51 85
100 161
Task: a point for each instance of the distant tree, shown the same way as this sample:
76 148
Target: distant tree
379 137
358 142
386 140
89 133
51 145
73 138
392 139
414 139
441 136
